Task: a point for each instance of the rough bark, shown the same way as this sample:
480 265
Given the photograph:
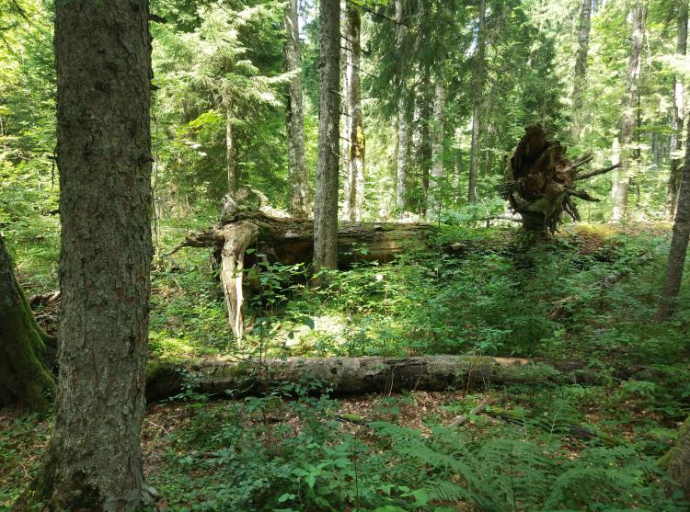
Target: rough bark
326 203
25 360
355 143
360 375
477 94
679 244
580 77
621 179
297 167
403 124
436 181
540 183
103 60
677 112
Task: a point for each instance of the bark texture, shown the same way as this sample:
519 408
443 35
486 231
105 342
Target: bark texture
360 375
621 179
540 182
326 202
290 241
104 155
477 96
355 132
230 163
299 179
25 360
580 78
403 122
679 244
677 112
436 181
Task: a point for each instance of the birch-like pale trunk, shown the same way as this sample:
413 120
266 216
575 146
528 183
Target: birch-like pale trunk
437 127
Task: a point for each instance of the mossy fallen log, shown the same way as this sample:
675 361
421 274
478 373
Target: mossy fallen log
361 375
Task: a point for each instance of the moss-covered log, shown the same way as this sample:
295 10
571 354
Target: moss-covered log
356 376
678 460
540 182
27 357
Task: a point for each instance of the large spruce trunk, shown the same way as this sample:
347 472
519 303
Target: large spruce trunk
25 361
435 194
326 200
103 59
580 77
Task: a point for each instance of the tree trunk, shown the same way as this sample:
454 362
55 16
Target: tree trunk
103 56
230 164
477 93
677 113
580 77
621 180
343 376
326 204
355 160
299 180
679 244
436 182
403 125
25 377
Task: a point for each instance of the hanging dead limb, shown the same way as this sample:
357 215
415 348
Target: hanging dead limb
540 182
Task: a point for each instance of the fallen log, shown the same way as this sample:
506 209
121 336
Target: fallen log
290 241
356 376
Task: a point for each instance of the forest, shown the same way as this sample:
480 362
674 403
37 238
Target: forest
344 255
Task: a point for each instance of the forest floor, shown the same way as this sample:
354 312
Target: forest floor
588 296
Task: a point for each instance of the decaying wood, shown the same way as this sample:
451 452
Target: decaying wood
356 376
460 420
290 241
540 182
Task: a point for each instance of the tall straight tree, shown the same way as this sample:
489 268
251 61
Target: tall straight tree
580 78
326 201
103 57
437 127
403 121
621 179
299 182
477 95
355 132
677 110
679 243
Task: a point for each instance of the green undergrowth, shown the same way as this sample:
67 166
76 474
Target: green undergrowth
532 448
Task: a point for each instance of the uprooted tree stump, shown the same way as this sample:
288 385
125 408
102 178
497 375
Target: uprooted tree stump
540 182
290 241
